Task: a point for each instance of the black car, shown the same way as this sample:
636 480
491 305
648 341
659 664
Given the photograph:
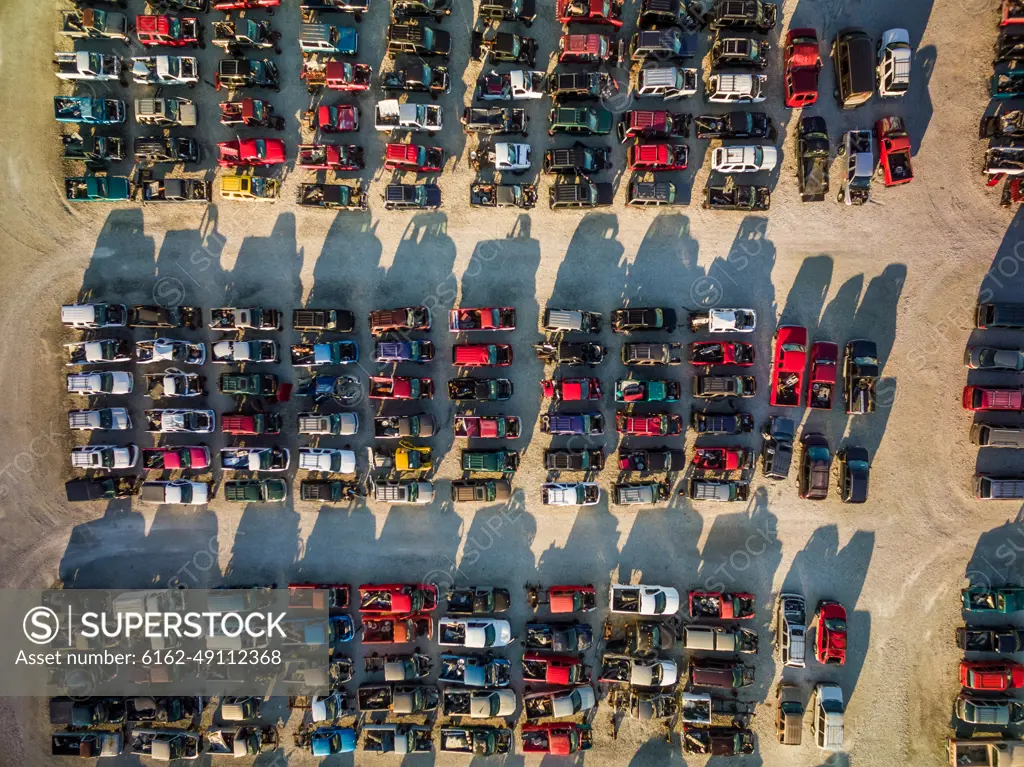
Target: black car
580 192
705 422
742 52
504 47
755 15
573 460
1000 639
408 8
247 73
691 16
813 156
580 85
736 125
733 196
652 459
777 451
854 472
412 197
152 316
571 354
643 318
815 467
509 10
418 40
578 158
418 77
169 149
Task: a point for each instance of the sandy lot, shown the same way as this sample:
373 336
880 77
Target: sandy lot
905 272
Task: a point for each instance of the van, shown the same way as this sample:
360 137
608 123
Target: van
736 89
251 188
827 724
789 718
990 435
569 321
1000 316
854 60
666 82
989 488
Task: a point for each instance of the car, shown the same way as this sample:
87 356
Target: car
412 197
658 157
801 67
413 157
573 460
90 316
510 86
250 152
504 156
571 389
638 319
559 702
579 192
991 676
418 40
754 15
327 353
645 354
705 422
334 424
643 600
479 389
721 387
721 606
576 424
791 629
522 196
481 355
813 157
95 23
722 459
176 458
567 86
894 63
858 148
708 353
570 354
735 125
490 318
702 488
894 151
577 159
827 719
743 159
248 384
999 315
97 188
169 31
651 459
789 363
664 44
570 493
585 49
481 490
100 419
490 461
335 118
643 194
854 470
853 59
667 82
104 457
503 47
228 352
995 599
998 711
649 123
162 149
437 9
116 382
733 196
725 88
560 738
253 459
390 115
586 121
336 157
723 320
658 390
165 70
182 420
327 460
743 52
815 466
175 492
830 633
417 77
989 358
998 639
474 633
777 451
247 73
649 424
400 388
589 12
103 351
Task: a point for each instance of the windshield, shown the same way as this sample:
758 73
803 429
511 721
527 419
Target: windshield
835 624
106 419
489 636
428 37
174 27
858 467
818 454
659 603
261 147
577 701
495 704
792 347
257 110
656 674
186 493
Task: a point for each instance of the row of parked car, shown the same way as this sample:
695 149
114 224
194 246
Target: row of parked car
996 399
1003 126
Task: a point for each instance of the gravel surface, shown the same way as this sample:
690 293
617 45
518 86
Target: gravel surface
905 272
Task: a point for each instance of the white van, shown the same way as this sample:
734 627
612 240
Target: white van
829 711
736 89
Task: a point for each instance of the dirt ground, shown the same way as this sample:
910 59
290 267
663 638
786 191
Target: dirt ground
905 272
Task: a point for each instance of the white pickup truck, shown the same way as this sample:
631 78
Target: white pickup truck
643 600
85 65
389 116
474 633
165 70
724 321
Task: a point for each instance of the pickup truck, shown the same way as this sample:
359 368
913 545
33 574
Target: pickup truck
733 196
397 738
390 116
92 23
324 633
399 699
87 66
477 600
821 382
248 384
397 598
96 352
643 600
396 630
579 424
1000 639
813 158
86 712
165 70
255 491
475 670
495 318
481 491
337 320
716 387
244 740
719 639
560 702
478 741
248 318
708 353
555 669
510 86
333 196
176 458
487 427
329 353
495 120
180 421
328 490
894 151
88 744
721 490
400 387
254 458
90 111
639 672
724 321
478 704
860 167
561 738
503 461
705 422
403 426
715 604
860 371
403 351
788 366
93 188
474 633
998 599
559 636
984 752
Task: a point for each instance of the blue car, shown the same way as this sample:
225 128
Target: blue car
89 111
332 740
582 424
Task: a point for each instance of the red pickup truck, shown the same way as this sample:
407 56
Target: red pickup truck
991 676
821 383
788 367
979 398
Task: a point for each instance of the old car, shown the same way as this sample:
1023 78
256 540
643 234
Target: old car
398 599
479 389
571 389
89 111
571 354
989 358
644 194
559 702
250 152
894 62
643 600
575 424
477 600
702 488
254 459
174 383
400 387
437 9
403 351
235 35
175 190
228 352
95 188
645 354
503 47
631 319
417 77
406 318
523 196
570 192
692 15
87 67
640 493
664 44
398 699
554 669
830 636
165 70
585 49
490 461
755 15
412 197
788 365
175 492
231 319
733 196
705 422
815 466
735 125
413 157
666 82
559 636
250 113
94 315
578 159
418 40
723 320
998 639
725 88
649 425
573 460
991 676
587 121
180 421
651 459
247 73
490 318
557 738
81 490
854 471
735 51
242 424
658 156
813 158
719 386
495 121
403 426
481 355
95 151
801 67
860 376
791 629
647 124
474 633
327 353
487 427
743 159
248 384
657 390
524 11
714 638
336 118
718 741
708 353
589 12
894 151
105 350
117 382
858 148
176 458
327 39
481 490
169 31
476 740
733 458
999 315
998 711
777 451
104 457
510 86
569 86
100 419
638 672
333 196
336 157
93 23
723 606
719 674
562 599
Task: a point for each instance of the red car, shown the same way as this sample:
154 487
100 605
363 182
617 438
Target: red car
821 383
650 425
722 458
572 389
481 355
722 606
175 458
343 76
554 669
830 638
563 599
589 12
250 152
801 65
979 398
170 31
894 151
338 118
739 353
584 49
397 598
990 676
400 387
244 5
788 367
338 157
557 738
413 157
658 156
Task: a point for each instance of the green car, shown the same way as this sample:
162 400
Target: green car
1002 599
256 490
504 461
257 384
97 189
659 390
588 121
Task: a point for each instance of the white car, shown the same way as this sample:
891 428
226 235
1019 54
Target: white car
83 65
736 89
101 419
567 701
791 629
117 382
643 600
335 424
327 459
174 383
744 159
403 491
727 320
570 493
178 492
102 352
227 352
170 350
181 421
894 60
103 457
165 70
482 704
474 633
827 715
639 672
94 315
512 157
